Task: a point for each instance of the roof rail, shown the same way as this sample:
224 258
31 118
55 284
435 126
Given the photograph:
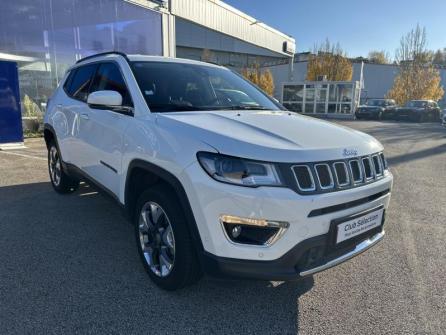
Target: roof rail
103 54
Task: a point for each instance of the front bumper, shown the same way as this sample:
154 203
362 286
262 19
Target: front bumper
284 259
292 265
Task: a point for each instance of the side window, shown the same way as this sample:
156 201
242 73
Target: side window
109 77
80 82
68 81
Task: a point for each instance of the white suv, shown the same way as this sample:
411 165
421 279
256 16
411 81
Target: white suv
216 176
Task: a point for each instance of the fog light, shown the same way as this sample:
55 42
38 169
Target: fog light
236 231
252 231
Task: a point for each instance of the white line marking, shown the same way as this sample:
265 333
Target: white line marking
22 155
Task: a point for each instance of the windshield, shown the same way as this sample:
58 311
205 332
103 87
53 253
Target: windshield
416 104
168 87
379 103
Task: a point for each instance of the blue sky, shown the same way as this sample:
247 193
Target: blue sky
358 25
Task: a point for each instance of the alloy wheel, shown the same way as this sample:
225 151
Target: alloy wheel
55 166
156 238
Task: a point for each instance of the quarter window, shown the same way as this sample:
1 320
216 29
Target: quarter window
80 82
110 78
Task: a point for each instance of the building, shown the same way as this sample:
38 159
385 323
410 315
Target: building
45 37
331 99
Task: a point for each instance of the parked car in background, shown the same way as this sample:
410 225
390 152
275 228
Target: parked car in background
419 111
443 118
377 109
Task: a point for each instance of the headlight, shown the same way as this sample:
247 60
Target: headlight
239 171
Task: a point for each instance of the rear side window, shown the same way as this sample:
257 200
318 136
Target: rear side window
79 84
108 77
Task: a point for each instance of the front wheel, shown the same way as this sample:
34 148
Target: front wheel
61 182
163 240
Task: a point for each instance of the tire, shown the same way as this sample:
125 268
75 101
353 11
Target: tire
161 230
61 182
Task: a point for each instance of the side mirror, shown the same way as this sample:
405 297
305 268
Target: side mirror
105 99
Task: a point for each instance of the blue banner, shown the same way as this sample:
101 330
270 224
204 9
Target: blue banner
10 112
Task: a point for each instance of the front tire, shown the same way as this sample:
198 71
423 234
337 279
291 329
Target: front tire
61 182
163 240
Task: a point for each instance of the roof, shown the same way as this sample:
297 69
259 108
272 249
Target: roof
140 58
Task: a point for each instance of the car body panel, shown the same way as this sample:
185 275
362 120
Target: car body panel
105 144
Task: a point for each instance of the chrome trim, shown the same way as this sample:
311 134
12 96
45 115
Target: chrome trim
361 247
361 176
367 179
313 188
380 164
281 225
347 183
319 180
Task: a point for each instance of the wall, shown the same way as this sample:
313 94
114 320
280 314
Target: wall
218 16
378 78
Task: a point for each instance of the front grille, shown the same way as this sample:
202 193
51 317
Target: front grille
305 180
367 165
356 171
341 172
321 177
324 176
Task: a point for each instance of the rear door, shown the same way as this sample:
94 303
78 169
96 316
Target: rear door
102 134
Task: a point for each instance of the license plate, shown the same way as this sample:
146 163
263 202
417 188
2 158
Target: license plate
359 225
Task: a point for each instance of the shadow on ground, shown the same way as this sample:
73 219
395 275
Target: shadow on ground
391 132
69 264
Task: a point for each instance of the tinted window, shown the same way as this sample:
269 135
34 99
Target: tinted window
80 82
67 84
110 78
169 86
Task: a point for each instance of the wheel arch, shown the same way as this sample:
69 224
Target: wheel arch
141 175
49 135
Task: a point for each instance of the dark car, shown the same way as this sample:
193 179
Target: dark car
377 109
419 111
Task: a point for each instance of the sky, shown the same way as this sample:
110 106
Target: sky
359 26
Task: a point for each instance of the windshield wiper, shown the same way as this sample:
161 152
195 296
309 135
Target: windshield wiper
173 107
242 107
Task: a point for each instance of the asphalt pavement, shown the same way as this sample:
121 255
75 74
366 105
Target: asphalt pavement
68 264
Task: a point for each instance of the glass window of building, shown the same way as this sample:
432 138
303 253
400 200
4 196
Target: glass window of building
321 97
45 37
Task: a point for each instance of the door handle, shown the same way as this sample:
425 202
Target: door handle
85 116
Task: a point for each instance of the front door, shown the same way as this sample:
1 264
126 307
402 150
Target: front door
102 133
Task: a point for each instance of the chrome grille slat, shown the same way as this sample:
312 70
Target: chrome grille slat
323 172
355 166
322 177
377 165
367 168
299 171
345 181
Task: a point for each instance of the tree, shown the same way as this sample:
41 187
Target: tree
416 82
413 47
418 79
440 57
263 79
330 61
379 57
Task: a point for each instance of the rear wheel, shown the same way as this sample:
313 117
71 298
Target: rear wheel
61 182
163 240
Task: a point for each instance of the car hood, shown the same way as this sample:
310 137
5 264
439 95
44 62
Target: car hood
270 135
